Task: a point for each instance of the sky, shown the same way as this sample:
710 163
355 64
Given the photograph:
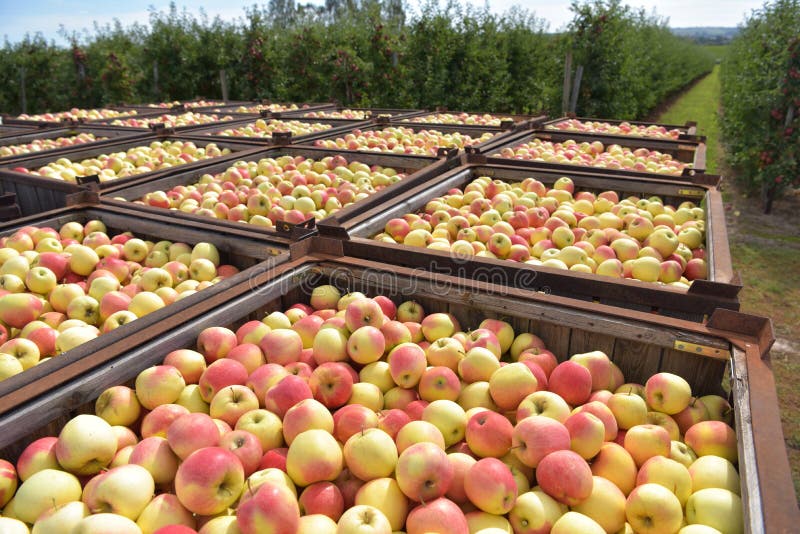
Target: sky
18 17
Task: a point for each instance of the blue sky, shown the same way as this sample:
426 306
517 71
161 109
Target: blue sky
20 16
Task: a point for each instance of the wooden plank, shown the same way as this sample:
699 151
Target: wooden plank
638 360
556 337
586 341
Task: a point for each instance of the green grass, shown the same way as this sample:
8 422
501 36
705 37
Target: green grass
700 104
719 51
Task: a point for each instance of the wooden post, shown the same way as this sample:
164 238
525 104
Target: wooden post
567 75
223 82
575 89
22 96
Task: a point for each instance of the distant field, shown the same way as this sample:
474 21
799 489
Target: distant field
718 50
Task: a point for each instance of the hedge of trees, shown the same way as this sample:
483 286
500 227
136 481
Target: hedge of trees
362 53
760 84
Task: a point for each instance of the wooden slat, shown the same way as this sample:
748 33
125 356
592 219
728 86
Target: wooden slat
586 341
706 373
638 360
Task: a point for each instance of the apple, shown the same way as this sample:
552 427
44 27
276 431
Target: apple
363 519
424 472
671 474
718 408
535 512
439 516
123 490
165 512
666 422
159 384
281 346
157 421
407 363
370 454
489 434
714 438
316 524
653 508
366 345
106 522
118 405
219 375
478 365
191 432
410 311
629 410
573 521
714 472
8 482
24 350
86 444
332 384
45 489
38 455
189 363
305 415
324 297
231 402
572 381
144 303
323 498
40 280
272 508
246 447
680 452
510 384
330 345
604 413
439 383
490 486
565 476
385 495
438 325
717 508
667 393
287 392
536 436
314 456
209 480
646 441
19 309
587 433
61 520
545 403
445 352
216 342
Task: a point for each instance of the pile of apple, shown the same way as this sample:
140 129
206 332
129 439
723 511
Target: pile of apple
191 104
258 108
266 127
639 238
62 288
38 145
402 140
355 415
595 154
75 114
157 155
485 119
622 128
287 188
190 118
351 114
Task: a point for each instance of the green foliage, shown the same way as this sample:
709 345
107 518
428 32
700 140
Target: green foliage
761 100
361 53
631 60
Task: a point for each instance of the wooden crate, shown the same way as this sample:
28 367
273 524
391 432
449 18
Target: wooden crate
695 303
380 123
732 360
236 247
111 135
419 168
369 113
278 138
12 120
688 131
686 151
7 130
36 194
513 121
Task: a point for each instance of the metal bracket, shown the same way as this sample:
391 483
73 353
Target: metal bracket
712 352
